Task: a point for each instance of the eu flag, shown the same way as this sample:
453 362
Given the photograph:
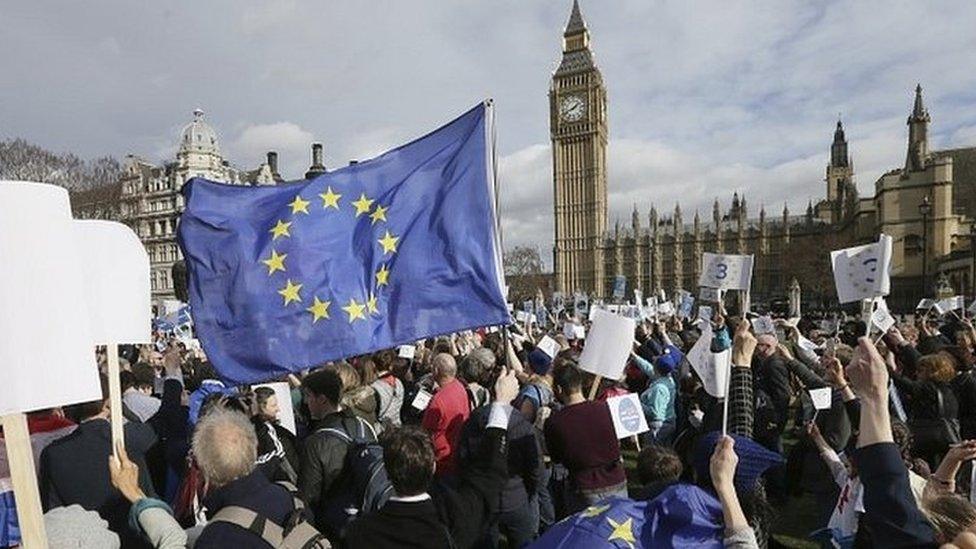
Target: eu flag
373 255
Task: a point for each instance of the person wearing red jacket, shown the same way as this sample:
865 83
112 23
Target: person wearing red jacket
446 414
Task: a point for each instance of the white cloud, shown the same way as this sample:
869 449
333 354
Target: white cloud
289 140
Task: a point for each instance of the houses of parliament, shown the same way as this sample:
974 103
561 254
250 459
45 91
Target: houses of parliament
928 206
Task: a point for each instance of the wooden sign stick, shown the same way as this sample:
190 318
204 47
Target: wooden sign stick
115 395
24 478
595 386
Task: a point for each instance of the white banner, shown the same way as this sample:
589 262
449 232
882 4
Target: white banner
726 271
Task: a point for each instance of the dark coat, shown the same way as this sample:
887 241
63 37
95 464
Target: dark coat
254 492
891 512
74 469
464 512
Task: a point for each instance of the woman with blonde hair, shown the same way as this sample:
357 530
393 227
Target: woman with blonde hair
358 398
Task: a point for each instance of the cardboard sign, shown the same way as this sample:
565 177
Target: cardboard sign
549 346
763 325
608 345
47 355
407 352
861 272
286 413
628 415
712 368
422 400
821 398
726 271
881 317
705 313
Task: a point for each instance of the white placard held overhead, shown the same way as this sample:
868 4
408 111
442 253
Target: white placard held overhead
47 355
925 304
665 309
881 317
806 344
628 415
619 286
726 271
116 278
608 345
712 368
549 346
711 295
705 313
568 330
687 304
422 399
579 331
949 304
861 272
763 325
522 316
286 413
821 398
407 352
638 297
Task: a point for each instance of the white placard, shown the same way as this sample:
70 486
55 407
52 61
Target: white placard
568 330
116 277
522 316
925 304
628 415
881 317
821 398
705 313
948 304
608 346
763 325
665 309
712 295
861 272
407 352
549 346
47 355
726 272
712 368
286 413
579 331
806 344
422 399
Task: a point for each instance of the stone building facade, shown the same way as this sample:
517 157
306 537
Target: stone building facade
663 250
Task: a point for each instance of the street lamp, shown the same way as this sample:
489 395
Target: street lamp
925 208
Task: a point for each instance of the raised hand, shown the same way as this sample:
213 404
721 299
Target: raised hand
743 344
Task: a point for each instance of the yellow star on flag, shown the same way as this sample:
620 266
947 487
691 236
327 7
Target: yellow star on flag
299 205
362 205
330 199
388 242
290 292
379 214
371 304
275 263
594 511
623 531
355 310
382 276
281 229
319 309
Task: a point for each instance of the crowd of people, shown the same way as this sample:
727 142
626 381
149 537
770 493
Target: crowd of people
482 439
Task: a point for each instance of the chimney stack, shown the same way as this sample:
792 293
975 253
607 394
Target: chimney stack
317 168
273 165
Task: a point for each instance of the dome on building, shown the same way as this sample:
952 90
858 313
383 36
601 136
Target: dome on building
198 136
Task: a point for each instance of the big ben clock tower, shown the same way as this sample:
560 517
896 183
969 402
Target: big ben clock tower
578 128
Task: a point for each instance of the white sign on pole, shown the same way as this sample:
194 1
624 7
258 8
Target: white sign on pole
821 398
286 413
861 272
549 346
881 317
407 352
713 295
422 399
948 304
806 344
628 415
712 368
608 345
47 355
665 309
726 272
925 304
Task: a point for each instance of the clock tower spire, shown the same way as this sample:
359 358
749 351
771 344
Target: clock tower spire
578 130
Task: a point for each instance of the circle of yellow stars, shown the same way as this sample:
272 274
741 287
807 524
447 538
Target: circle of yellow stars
319 309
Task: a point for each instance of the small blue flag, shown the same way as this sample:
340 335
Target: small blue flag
370 256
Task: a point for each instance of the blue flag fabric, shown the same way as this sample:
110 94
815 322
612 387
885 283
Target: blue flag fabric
366 257
682 515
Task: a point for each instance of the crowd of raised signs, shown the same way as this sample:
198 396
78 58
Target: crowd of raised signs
518 437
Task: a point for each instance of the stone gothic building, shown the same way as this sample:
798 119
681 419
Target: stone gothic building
928 206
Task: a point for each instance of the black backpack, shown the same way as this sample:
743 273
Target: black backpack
363 486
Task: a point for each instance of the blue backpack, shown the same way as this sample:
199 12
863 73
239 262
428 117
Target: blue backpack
364 486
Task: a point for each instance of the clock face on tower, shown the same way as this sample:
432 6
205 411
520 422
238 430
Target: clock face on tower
572 108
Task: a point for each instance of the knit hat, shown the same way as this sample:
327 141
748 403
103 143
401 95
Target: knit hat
539 361
73 526
754 459
669 361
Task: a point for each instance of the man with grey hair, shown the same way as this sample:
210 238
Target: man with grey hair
446 413
225 448
475 368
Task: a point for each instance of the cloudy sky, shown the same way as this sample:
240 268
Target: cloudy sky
704 97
